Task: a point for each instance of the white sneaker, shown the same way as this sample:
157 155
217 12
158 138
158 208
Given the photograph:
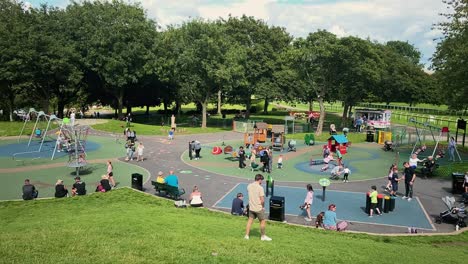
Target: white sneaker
307 219
246 237
409 199
404 197
265 238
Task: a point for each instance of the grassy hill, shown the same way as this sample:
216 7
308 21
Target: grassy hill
125 226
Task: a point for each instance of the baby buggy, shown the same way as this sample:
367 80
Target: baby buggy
292 145
454 215
388 145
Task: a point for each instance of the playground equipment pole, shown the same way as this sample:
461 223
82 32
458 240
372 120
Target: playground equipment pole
35 126
25 121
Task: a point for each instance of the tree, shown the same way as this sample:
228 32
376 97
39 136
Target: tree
315 60
15 52
115 40
200 64
450 58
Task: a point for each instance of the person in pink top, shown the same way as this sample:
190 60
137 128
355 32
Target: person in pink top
308 202
110 174
327 160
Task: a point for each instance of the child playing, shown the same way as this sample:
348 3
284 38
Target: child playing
140 149
171 134
308 202
346 172
394 181
326 161
280 162
373 206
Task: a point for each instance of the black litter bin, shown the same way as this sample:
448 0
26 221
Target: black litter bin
367 203
277 208
137 181
370 136
392 204
386 206
457 182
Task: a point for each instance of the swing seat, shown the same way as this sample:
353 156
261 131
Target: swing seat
38 133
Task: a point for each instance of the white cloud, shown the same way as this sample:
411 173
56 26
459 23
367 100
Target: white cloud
380 20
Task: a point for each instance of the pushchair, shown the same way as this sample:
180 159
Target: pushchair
292 145
454 215
388 145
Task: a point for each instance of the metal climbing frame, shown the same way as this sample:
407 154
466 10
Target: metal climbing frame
39 115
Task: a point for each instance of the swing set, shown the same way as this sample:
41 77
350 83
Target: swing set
436 133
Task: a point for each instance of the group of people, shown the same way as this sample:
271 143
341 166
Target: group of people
195 198
106 184
131 149
409 177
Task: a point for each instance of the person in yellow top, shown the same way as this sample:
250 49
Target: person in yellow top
160 178
373 196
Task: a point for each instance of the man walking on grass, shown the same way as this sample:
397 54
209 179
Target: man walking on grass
256 207
409 176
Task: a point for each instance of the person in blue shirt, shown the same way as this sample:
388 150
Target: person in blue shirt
329 219
238 205
172 179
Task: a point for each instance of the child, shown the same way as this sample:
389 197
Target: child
346 172
394 181
308 202
319 220
280 162
130 150
140 152
326 161
373 196
171 134
390 176
241 154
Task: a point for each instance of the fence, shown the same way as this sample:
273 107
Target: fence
433 111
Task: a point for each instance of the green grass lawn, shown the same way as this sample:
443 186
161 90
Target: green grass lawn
124 226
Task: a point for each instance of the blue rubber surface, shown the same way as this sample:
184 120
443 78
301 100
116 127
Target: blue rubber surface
350 206
23 151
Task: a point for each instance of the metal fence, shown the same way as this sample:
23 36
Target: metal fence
421 110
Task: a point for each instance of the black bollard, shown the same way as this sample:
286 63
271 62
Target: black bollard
323 193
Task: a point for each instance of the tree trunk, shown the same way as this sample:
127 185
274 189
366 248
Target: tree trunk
165 108
10 114
45 105
120 104
60 108
248 104
177 108
322 117
311 104
129 108
11 103
265 106
219 103
147 110
344 117
204 106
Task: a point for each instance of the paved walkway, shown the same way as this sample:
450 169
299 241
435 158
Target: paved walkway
163 155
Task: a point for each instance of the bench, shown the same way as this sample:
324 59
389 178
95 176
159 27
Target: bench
171 191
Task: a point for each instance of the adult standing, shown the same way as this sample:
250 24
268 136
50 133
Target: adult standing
409 177
110 173
197 147
29 191
173 123
241 153
72 117
451 148
256 207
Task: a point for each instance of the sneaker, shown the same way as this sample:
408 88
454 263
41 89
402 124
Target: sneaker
265 238
344 180
404 197
307 219
370 216
246 237
409 199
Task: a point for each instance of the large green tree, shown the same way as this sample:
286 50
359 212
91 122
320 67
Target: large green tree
450 59
115 40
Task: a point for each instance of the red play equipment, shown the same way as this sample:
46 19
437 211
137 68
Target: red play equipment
339 142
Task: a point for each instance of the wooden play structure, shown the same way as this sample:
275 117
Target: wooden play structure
277 141
259 134
339 142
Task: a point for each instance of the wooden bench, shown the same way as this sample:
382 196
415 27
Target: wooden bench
171 191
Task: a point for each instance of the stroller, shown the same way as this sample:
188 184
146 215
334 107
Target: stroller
454 215
292 145
388 145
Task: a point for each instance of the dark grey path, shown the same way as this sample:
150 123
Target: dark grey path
161 156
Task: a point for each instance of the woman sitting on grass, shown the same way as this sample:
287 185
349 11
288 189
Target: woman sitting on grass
329 218
195 199
60 190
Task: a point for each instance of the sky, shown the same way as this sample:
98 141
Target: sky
378 20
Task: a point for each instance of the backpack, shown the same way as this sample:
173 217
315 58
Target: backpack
180 204
100 188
